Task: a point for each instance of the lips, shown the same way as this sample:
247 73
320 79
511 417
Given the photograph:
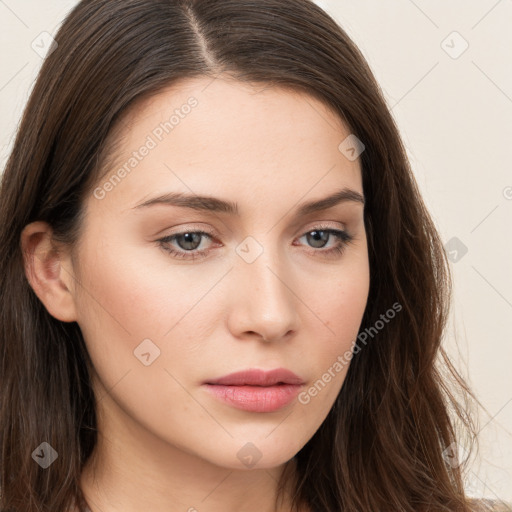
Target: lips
256 390
255 377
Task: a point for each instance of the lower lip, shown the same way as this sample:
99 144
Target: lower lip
255 398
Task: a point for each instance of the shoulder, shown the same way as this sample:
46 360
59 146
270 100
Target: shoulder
486 505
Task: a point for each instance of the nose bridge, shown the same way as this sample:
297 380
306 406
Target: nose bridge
264 303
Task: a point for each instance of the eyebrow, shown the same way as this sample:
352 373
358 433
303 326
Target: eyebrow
214 204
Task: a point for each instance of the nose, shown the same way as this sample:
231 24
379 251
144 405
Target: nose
263 302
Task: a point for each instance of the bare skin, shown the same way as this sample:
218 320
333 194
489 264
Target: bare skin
165 443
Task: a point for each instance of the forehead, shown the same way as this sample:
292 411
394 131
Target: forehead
222 137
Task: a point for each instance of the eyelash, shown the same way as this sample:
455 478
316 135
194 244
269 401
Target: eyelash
344 240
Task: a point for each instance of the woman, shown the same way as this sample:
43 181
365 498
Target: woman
221 289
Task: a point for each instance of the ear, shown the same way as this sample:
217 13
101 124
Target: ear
49 271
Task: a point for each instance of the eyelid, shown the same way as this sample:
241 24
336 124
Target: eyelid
324 224
190 228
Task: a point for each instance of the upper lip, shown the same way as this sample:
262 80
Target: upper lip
256 377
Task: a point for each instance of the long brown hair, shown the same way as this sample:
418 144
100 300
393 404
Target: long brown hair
382 446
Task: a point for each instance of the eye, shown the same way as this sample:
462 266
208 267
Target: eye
320 236
187 243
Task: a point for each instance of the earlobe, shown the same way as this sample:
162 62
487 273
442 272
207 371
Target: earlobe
48 271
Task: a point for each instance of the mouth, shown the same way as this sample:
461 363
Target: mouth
256 390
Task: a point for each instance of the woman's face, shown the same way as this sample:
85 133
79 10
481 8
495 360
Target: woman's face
268 286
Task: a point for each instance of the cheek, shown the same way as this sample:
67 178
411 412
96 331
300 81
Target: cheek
124 289
346 304
123 302
342 299
340 304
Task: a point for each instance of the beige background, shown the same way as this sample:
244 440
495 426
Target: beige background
454 108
